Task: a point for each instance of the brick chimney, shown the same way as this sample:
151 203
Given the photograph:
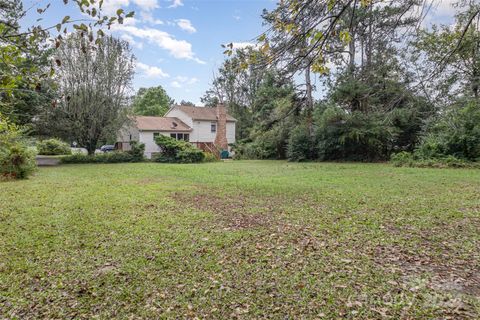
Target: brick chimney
221 136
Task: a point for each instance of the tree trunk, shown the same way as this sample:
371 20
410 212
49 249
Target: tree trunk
369 49
351 53
308 83
91 147
475 85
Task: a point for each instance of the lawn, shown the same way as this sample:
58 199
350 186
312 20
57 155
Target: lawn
246 239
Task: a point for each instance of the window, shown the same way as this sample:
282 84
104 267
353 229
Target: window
180 136
155 135
213 127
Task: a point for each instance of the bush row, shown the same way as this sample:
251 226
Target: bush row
407 159
173 151
134 155
53 147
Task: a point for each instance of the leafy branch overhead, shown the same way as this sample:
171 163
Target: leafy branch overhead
22 49
312 28
306 34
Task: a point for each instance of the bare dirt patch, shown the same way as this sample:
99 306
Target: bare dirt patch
234 213
268 214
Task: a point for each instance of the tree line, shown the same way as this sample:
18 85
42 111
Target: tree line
76 86
389 84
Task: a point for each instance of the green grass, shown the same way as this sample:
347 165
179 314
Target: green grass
246 239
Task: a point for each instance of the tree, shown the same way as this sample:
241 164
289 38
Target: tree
449 64
187 103
237 87
453 53
152 101
93 86
275 111
27 65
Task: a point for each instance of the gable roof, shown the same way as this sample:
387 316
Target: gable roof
201 113
160 124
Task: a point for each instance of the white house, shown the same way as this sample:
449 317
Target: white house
207 128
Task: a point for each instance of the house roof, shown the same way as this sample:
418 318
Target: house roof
161 124
201 113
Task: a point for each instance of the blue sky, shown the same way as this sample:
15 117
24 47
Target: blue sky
177 43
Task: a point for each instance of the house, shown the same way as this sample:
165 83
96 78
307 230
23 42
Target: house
209 129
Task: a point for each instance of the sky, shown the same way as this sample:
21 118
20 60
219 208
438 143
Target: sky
177 43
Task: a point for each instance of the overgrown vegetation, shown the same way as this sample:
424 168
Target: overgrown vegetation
17 160
393 88
407 159
53 147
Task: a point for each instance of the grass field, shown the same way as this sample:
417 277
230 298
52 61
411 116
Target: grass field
241 240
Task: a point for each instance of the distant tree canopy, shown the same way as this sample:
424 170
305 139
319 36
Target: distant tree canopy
187 103
152 101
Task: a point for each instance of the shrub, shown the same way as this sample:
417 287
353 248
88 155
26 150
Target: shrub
177 151
354 136
209 157
192 155
300 145
137 151
77 158
133 155
17 161
406 159
111 157
53 147
265 145
402 159
456 133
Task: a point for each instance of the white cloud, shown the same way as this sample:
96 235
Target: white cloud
181 81
148 17
130 21
109 7
179 49
151 71
176 3
243 45
186 25
175 84
147 5
132 41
